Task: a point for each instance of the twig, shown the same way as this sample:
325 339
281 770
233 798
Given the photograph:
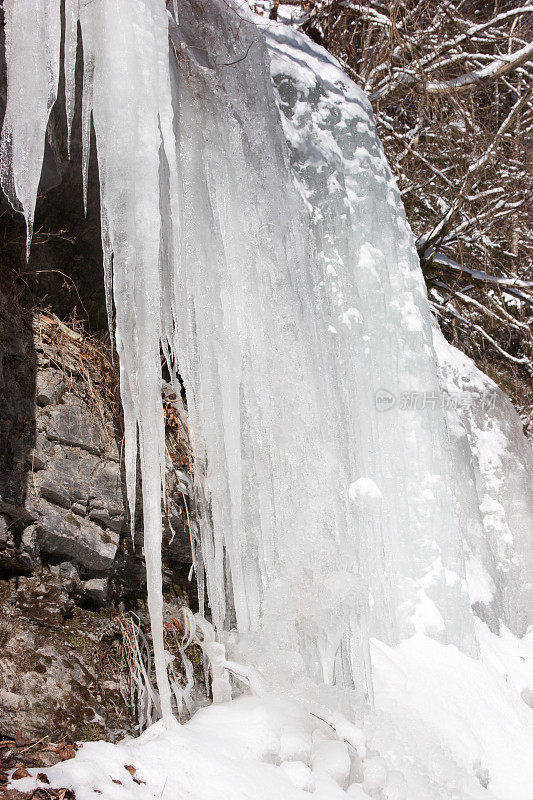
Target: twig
231 63
25 750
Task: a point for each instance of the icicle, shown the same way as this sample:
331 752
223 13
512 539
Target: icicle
107 258
70 50
125 41
86 111
33 36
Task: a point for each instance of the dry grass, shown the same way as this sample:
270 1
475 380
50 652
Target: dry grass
86 357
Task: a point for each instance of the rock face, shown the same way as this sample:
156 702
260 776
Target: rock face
62 490
62 668
67 558
64 522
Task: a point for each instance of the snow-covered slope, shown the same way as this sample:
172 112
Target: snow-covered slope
445 727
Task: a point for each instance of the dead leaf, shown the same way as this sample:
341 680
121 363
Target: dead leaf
21 740
20 772
43 777
67 751
116 780
130 769
14 794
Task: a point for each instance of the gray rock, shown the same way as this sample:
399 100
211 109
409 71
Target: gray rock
73 425
102 516
49 387
54 666
96 590
107 503
68 477
68 571
55 493
62 485
62 534
21 514
28 540
5 534
41 453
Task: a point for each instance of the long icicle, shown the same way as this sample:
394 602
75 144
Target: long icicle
124 43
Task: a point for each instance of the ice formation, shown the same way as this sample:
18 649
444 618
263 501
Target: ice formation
253 232
377 334
32 58
494 470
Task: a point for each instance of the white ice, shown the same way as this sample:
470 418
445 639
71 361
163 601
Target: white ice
33 36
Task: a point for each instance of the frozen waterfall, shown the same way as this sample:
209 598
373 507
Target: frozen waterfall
252 230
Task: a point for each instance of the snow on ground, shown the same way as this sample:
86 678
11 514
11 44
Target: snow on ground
453 724
445 727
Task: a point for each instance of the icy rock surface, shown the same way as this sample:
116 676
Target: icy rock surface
375 327
253 232
494 469
315 303
276 536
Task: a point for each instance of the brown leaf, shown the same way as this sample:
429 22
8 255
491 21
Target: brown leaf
130 769
116 780
43 777
21 740
178 624
14 794
67 751
19 773
136 780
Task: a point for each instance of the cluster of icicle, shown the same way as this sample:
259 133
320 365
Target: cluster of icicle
127 96
320 518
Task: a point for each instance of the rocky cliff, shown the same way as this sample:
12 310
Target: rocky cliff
67 559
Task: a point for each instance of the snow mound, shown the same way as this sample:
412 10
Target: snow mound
445 727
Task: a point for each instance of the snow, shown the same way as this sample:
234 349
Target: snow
364 490
445 727
331 758
446 709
